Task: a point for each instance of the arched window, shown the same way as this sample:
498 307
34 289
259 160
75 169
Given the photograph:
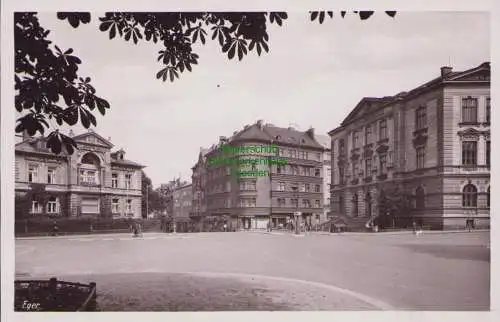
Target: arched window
355 205
90 158
420 198
469 196
488 197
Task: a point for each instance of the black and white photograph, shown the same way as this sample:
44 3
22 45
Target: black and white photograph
246 160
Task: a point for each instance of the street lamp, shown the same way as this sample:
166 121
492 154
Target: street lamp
296 214
270 189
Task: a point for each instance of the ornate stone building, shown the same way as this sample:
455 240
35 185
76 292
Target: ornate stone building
432 141
92 182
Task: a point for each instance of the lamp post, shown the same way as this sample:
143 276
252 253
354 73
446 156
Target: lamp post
296 214
270 189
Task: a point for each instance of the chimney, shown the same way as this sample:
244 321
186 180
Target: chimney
222 139
310 132
445 70
260 123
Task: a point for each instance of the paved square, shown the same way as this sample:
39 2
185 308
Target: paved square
257 271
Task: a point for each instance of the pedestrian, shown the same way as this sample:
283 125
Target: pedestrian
414 227
55 229
225 227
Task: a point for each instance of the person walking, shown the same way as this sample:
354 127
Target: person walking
225 227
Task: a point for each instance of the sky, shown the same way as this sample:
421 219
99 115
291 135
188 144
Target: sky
313 76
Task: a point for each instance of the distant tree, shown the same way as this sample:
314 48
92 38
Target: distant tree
47 84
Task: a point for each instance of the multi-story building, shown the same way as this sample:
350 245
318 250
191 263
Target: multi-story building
325 141
199 178
271 199
433 142
93 181
182 201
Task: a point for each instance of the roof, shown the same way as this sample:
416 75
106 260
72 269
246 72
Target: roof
37 145
368 105
324 140
127 163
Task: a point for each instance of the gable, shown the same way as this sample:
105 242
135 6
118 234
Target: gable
482 73
365 106
93 138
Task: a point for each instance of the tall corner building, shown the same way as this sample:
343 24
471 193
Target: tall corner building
432 141
254 202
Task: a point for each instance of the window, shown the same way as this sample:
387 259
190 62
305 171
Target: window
469 110
293 153
88 177
90 205
301 171
368 134
114 180
341 146
421 118
281 202
248 185
469 153
383 129
128 206
307 171
488 110
51 175
247 202
318 156
488 152
295 202
307 187
35 207
317 188
281 186
355 169
383 163
52 205
327 201
306 203
341 175
469 196
317 172
32 173
279 169
420 198
488 197
295 170
302 187
317 204
420 156
355 139
355 205
128 181
115 206
368 167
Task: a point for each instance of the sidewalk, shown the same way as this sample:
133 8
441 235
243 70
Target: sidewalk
380 233
81 236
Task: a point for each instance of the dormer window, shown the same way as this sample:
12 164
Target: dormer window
303 141
278 137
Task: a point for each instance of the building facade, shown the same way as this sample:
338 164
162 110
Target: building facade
93 181
432 142
182 205
325 141
256 202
